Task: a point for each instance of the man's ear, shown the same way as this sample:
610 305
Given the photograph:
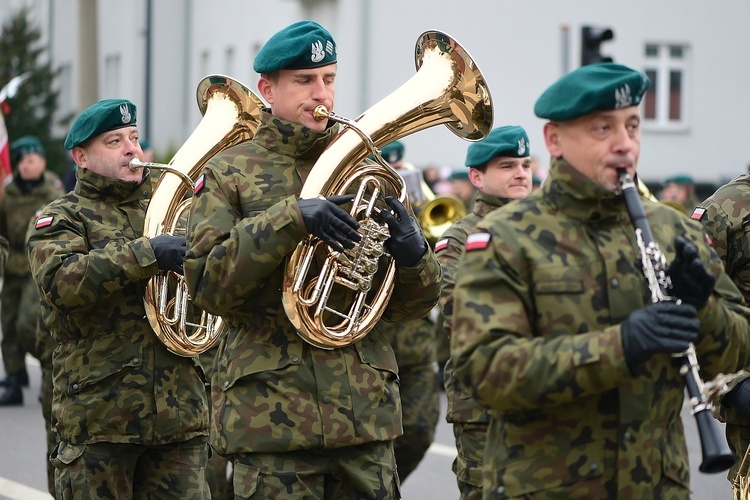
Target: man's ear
266 92
552 139
79 156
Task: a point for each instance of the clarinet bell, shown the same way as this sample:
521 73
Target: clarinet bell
717 456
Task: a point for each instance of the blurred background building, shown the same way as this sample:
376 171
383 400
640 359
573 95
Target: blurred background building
155 53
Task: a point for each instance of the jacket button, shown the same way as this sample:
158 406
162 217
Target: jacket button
326 399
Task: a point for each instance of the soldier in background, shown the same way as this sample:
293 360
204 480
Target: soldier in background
724 216
679 192
32 187
500 169
295 419
553 325
414 345
131 416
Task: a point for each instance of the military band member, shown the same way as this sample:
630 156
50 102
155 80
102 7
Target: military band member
500 168
724 216
296 420
554 329
32 187
132 417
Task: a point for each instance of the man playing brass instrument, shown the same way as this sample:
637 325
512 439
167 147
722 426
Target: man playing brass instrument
131 416
553 325
296 420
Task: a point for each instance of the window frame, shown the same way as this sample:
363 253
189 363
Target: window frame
664 65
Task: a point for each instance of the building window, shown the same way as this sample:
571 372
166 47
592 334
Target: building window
665 103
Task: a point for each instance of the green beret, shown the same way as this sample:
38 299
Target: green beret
305 44
510 141
26 145
106 115
393 152
679 179
595 87
458 175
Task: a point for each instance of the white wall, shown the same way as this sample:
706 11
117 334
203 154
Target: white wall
517 45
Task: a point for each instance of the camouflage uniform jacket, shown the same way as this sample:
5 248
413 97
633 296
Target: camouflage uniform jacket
17 209
114 381
537 315
725 216
272 391
449 249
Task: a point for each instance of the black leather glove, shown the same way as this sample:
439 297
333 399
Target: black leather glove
324 219
406 243
169 251
665 327
739 398
691 283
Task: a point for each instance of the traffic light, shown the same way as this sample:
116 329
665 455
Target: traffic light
591 40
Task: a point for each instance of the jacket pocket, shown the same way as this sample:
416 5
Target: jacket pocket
250 352
92 361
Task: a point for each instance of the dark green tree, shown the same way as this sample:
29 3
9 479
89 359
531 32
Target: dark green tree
33 109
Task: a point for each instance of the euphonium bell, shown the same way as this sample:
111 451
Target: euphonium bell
344 301
231 114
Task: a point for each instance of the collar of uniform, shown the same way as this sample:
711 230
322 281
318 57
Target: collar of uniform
292 139
578 196
486 203
93 185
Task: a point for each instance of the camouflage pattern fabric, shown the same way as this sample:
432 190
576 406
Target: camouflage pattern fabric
468 418
272 391
319 474
536 336
725 215
114 381
19 301
219 482
118 470
45 347
416 353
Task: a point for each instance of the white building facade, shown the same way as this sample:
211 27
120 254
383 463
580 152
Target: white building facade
695 51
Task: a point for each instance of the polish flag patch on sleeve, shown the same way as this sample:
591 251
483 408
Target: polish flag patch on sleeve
478 241
43 222
199 184
441 245
698 213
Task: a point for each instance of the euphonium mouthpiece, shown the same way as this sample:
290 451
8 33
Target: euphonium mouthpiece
320 113
135 164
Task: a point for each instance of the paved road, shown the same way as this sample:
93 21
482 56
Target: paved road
23 476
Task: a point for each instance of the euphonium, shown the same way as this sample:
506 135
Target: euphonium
447 89
231 114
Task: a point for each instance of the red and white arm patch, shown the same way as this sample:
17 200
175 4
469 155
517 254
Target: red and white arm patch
43 222
441 245
698 213
199 184
478 241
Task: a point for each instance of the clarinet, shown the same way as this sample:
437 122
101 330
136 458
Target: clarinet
717 456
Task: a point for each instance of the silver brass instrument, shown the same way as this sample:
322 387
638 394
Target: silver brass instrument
717 456
231 114
447 89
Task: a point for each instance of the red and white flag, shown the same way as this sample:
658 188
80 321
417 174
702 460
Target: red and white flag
5 168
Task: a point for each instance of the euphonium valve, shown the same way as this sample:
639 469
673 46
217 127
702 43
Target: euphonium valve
230 115
335 299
